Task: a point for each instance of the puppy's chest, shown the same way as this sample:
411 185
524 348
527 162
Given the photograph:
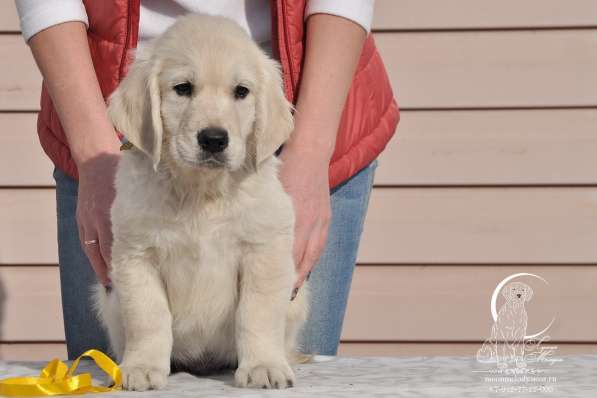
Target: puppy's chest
198 239
199 261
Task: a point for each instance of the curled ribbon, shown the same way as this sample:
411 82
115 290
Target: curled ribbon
57 379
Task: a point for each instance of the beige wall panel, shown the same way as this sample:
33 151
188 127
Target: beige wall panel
404 225
492 147
459 69
489 225
9 20
492 69
441 14
387 303
430 147
452 303
30 298
439 349
22 160
28 226
32 351
20 81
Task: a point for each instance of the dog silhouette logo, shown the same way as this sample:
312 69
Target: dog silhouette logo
509 336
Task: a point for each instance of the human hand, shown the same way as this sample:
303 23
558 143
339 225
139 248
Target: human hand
96 194
62 55
304 176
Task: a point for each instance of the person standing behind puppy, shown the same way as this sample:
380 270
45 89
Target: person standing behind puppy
345 115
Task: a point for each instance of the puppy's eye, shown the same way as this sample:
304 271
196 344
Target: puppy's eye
241 92
184 89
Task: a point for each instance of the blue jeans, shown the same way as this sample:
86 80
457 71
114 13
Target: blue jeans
329 282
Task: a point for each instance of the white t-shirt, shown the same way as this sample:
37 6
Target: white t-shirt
157 15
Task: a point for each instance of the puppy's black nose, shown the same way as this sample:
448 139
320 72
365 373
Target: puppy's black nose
518 295
213 139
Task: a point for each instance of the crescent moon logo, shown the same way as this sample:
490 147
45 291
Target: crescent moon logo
496 293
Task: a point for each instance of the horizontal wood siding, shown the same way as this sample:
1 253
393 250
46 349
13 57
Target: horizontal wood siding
28 226
20 145
20 80
387 303
464 147
9 22
32 351
483 14
404 225
493 147
428 70
492 69
452 303
481 225
32 299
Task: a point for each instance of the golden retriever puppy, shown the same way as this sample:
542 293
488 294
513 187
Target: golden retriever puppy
202 266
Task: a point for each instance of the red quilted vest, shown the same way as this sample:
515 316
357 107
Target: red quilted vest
368 122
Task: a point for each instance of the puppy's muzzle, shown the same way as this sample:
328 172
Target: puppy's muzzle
213 139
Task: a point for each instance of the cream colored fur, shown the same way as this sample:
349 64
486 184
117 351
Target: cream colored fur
202 267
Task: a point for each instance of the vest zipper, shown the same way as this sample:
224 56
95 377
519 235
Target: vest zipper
129 28
288 64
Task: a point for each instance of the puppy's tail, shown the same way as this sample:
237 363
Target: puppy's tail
100 302
106 307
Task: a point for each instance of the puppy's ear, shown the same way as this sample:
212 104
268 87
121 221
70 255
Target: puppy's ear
273 119
134 108
507 292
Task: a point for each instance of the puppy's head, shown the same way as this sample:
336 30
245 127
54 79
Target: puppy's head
203 96
517 292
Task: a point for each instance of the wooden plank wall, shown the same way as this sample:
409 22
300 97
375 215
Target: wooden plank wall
492 172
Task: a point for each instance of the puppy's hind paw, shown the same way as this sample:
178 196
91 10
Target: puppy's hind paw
265 376
138 378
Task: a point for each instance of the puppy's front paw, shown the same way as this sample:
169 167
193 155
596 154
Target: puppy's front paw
265 376
139 378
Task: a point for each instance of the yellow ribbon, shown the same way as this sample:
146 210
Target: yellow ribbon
57 379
